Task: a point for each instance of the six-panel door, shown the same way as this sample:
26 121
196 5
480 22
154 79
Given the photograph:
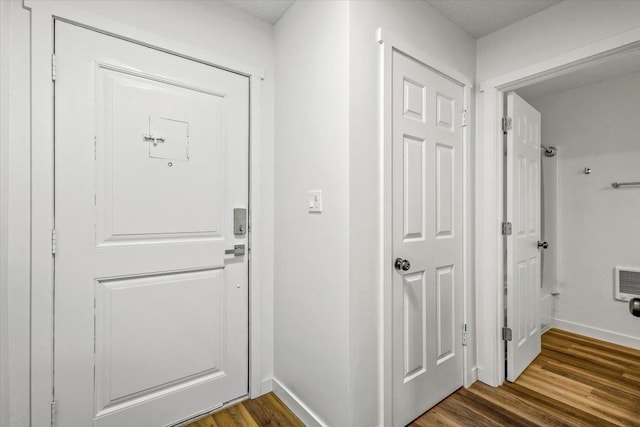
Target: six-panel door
427 231
523 255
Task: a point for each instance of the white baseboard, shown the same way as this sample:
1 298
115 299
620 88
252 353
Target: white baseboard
601 334
487 377
471 376
266 386
297 406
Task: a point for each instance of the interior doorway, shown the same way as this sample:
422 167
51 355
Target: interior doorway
586 183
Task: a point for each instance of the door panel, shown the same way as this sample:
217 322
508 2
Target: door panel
427 214
151 156
523 256
132 195
152 307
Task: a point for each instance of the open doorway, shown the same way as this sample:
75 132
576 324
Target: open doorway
579 199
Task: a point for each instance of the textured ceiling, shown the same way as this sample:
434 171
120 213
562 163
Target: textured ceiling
481 17
267 10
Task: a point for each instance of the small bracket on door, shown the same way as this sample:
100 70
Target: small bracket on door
507 334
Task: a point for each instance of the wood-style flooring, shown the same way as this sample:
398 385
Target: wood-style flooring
266 410
575 381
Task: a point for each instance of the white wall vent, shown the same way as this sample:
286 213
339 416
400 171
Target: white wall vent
627 283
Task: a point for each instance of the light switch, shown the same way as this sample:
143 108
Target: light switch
315 201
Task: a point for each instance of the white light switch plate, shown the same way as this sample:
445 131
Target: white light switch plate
315 201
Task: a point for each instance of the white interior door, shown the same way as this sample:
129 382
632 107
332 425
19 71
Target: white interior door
427 233
523 255
151 158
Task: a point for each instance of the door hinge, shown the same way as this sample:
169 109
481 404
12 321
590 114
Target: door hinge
506 228
506 124
54 241
54 67
507 335
53 413
464 118
464 335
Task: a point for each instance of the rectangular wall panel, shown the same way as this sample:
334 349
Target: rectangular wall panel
158 144
414 100
520 204
414 189
521 283
534 296
157 331
415 316
534 188
445 313
445 108
444 190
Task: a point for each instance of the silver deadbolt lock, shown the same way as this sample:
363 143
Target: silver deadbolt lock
402 264
239 221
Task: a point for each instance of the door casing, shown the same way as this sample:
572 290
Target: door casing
43 14
489 189
388 44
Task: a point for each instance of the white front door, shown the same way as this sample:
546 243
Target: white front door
151 158
523 255
427 238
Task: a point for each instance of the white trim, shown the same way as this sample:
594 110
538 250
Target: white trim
389 43
297 406
266 386
597 333
42 194
5 123
566 62
409 49
63 12
255 237
489 185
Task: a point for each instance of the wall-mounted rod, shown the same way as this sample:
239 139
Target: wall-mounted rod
623 184
549 151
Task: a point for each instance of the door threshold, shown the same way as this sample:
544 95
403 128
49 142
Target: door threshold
208 412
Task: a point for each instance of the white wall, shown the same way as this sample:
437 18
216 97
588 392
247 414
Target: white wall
15 196
595 126
417 23
327 287
212 26
311 322
566 26
5 48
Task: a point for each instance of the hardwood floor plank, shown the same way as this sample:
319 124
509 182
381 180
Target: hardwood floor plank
575 381
536 414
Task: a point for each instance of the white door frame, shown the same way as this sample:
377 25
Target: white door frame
388 44
43 14
489 248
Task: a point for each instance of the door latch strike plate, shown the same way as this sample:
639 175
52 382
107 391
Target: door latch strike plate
464 335
54 241
506 124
